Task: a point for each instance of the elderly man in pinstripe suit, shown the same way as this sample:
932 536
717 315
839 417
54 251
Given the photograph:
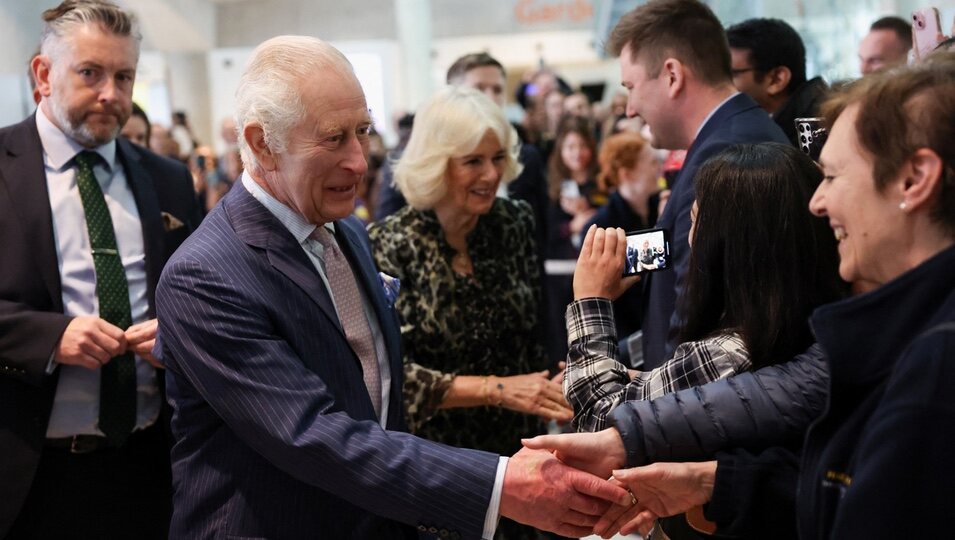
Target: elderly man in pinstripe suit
282 349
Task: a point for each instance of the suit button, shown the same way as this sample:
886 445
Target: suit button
443 533
433 530
422 528
455 535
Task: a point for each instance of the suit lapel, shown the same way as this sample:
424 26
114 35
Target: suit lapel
256 226
25 176
150 217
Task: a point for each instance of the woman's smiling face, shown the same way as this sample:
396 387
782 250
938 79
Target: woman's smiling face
865 220
473 178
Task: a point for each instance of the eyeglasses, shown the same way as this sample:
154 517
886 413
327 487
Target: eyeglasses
735 72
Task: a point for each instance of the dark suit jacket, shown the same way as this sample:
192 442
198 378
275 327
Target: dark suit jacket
275 434
31 308
740 120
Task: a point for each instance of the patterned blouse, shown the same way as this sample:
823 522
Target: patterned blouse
595 383
484 324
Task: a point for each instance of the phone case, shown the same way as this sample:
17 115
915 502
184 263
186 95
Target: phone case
812 136
926 31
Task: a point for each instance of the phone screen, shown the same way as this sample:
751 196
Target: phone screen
647 251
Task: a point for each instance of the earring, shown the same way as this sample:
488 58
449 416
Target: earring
903 206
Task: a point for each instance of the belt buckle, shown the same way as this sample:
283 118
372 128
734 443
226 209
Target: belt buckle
84 444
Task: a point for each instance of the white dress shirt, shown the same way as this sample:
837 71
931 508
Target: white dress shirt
76 404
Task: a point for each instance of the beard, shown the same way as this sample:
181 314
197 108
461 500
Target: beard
74 125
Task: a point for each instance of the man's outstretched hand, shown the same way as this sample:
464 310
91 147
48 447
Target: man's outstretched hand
597 453
541 491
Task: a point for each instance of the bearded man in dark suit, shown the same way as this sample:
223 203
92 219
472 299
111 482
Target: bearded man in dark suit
87 221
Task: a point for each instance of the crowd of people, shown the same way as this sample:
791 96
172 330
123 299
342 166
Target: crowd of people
315 335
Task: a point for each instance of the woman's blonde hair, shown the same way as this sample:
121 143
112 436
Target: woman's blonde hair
450 124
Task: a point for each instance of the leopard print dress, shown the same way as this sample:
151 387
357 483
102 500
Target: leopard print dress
485 324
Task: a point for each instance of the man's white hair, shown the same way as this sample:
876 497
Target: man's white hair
269 92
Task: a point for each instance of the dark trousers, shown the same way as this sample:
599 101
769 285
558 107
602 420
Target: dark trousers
111 493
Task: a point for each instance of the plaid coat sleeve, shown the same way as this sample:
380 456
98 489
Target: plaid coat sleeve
595 382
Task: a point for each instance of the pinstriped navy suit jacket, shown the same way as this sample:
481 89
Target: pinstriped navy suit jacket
275 434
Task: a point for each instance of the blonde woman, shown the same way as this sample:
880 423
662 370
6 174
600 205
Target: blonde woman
469 280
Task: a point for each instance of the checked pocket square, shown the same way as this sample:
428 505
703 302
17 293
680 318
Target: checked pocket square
391 286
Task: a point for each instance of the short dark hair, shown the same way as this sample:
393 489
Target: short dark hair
471 61
901 110
901 27
763 275
683 29
771 43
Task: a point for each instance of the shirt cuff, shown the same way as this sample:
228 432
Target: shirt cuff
494 507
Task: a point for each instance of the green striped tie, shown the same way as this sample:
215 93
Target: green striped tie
117 398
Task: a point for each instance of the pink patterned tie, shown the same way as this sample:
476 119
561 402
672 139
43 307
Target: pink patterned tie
351 312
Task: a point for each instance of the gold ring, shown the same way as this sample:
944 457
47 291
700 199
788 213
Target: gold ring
633 500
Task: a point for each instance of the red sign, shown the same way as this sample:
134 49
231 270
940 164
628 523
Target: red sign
531 12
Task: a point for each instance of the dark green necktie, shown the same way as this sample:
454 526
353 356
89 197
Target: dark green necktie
117 398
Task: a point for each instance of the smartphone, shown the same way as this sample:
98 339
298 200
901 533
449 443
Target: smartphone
647 251
926 31
569 189
812 136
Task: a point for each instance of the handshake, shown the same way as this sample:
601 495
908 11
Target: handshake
563 484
